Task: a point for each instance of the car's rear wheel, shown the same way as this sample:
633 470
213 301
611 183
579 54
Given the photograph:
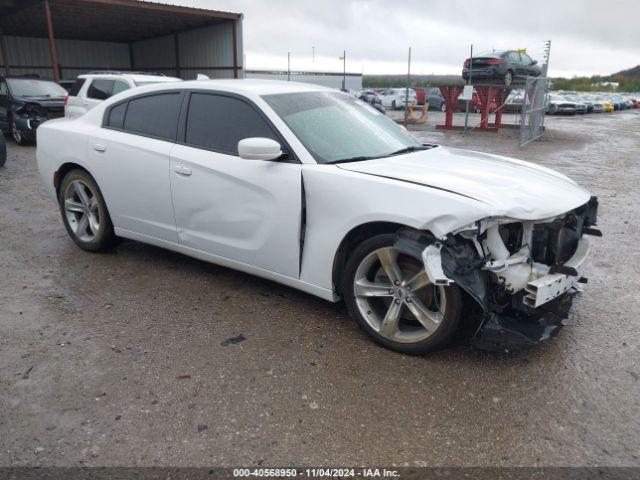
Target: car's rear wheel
390 295
84 212
508 78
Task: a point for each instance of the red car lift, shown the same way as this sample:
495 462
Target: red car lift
486 94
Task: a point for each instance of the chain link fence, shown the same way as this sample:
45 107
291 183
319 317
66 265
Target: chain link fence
534 105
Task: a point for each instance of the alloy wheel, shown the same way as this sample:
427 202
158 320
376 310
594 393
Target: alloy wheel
81 210
395 297
508 78
17 135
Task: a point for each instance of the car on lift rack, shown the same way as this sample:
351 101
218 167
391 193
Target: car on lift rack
25 103
508 67
330 197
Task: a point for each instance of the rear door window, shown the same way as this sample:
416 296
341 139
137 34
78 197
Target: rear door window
218 123
154 115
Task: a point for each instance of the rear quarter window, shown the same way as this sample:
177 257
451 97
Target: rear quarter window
75 88
115 116
100 89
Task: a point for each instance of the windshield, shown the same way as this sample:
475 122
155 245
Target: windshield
336 127
22 87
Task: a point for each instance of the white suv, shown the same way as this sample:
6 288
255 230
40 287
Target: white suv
92 88
395 97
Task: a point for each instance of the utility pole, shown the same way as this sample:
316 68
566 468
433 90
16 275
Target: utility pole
466 108
406 91
288 66
547 54
344 70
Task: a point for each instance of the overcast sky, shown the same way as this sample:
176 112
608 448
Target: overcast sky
588 36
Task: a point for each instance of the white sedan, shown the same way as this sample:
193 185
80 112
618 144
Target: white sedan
315 189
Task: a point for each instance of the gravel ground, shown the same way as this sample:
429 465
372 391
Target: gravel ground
117 358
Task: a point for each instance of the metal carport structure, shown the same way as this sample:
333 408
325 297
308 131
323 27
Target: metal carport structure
62 38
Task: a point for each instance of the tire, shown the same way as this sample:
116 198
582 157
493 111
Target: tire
443 107
393 105
84 212
17 135
508 78
377 298
3 150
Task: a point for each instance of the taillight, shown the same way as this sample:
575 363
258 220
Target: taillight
66 99
467 64
494 61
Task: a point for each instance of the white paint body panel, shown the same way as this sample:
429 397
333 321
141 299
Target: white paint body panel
246 214
244 210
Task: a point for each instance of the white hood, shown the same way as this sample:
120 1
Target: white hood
509 187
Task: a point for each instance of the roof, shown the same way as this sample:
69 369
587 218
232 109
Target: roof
257 86
136 77
245 87
104 20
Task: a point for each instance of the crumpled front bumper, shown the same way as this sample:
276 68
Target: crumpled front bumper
515 330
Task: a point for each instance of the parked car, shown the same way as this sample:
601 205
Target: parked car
514 102
509 66
373 99
421 95
580 106
370 96
3 150
608 106
92 88
67 84
557 104
394 98
436 101
27 102
408 234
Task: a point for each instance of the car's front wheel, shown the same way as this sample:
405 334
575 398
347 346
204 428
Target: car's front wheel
84 212
17 135
390 295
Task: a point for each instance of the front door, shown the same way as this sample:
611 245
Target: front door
244 210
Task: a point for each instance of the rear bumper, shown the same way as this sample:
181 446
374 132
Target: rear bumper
489 72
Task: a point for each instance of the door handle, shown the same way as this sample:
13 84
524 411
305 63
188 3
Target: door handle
182 170
99 148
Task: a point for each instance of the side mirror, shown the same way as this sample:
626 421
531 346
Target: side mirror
535 62
259 148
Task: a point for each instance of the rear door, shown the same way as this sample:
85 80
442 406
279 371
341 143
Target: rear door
244 210
130 157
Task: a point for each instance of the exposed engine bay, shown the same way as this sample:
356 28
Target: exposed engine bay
522 274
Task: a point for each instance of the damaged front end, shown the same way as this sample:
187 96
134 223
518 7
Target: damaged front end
522 274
